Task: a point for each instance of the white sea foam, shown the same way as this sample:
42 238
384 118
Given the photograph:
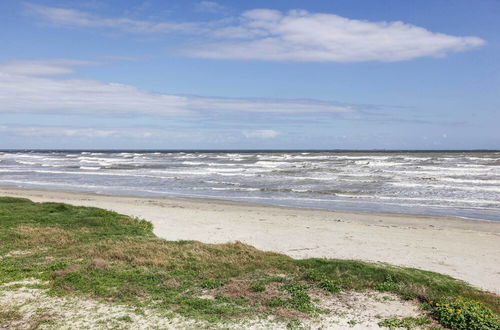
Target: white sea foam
451 183
443 186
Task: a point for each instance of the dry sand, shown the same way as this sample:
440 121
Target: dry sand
465 249
348 310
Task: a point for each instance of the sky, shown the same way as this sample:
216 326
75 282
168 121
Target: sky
275 74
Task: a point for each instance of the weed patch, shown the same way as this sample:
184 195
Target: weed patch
7 315
258 287
405 323
329 286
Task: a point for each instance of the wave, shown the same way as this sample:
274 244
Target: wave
455 180
286 190
443 186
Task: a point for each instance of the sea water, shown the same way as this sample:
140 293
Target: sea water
455 183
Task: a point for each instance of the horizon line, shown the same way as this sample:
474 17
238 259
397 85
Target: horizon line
244 150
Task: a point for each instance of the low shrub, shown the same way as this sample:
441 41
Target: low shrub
329 286
462 314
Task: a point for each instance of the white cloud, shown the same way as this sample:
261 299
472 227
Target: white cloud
23 89
26 93
171 135
77 18
95 133
42 67
261 134
290 106
210 7
297 35
302 36
57 131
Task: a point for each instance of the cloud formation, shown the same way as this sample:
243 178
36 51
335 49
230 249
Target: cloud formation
210 7
143 133
42 68
76 18
100 133
27 87
297 35
261 134
70 132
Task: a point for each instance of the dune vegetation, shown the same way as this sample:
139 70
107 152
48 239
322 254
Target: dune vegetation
98 254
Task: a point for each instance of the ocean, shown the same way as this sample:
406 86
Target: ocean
454 183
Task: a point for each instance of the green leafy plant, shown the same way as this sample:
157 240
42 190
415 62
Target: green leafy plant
406 323
125 318
294 324
299 299
463 314
258 287
329 286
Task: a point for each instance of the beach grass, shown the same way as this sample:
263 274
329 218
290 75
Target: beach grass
100 254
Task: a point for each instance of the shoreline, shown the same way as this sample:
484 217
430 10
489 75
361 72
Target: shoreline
463 248
207 198
461 222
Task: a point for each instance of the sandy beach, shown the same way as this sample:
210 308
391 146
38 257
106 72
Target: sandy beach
465 249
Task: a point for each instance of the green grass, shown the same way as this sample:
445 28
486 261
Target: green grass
405 323
104 255
258 287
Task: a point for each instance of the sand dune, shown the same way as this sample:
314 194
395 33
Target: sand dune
465 249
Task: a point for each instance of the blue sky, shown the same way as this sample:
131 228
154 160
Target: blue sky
318 74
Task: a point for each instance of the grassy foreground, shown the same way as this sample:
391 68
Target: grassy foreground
104 255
